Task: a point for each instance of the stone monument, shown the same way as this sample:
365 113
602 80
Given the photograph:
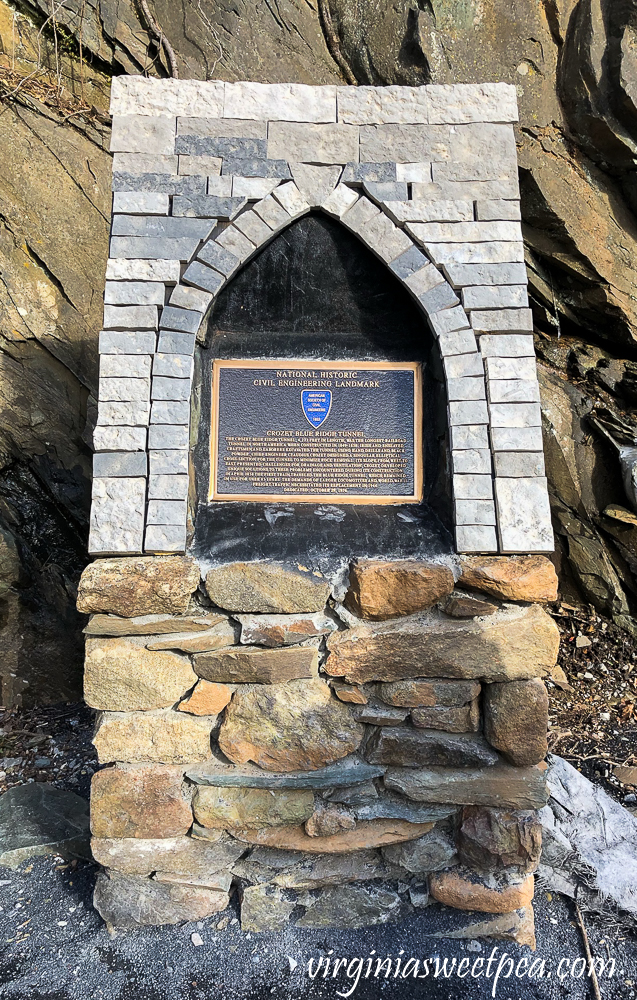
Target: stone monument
320 518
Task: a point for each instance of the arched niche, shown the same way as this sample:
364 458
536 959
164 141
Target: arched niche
317 292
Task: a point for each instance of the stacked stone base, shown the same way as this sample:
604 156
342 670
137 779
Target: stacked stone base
324 758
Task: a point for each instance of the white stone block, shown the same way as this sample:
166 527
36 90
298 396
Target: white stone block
474 253
472 487
132 413
117 515
518 464
119 438
472 102
462 275
524 515
414 173
141 293
480 152
165 538
170 411
516 438
315 182
305 143
457 342
384 238
127 342
466 232
462 365
512 345
362 212
173 365
233 240
468 437
472 461
167 487
193 165
220 187
125 366
382 105
509 320
222 128
253 226
165 387
253 188
403 143
474 512
476 538
167 512
144 163
495 297
121 269
280 102
468 412
449 320
149 96
168 462
465 388
289 196
340 201
475 190
161 436
498 209
434 212
130 317
517 390
515 414
424 280
143 134
511 368
124 390
272 213
187 297
141 203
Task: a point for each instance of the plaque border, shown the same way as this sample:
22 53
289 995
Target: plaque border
414 366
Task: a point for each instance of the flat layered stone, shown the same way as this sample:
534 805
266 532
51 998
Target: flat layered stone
388 805
231 808
39 819
222 880
329 819
430 853
514 643
207 699
288 727
351 771
464 719
501 785
127 902
516 719
283 630
512 578
407 747
518 926
499 838
113 625
139 802
429 693
465 606
488 893
375 713
218 637
140 585
243 665
270 588
265 909
121 675
158 737
352 907
183 856
382 590
318 871
375 833
349 693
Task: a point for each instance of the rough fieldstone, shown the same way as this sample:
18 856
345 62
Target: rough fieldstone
328 819
430 853
283 630
512 578
122 676
518 926
375 713
500 785
350 771
146 802
516 720
391 806
140 585
243 665
465 606
464 719
429 693
352 907
252 808
271 588
382 590
37 819
264 909
375 833
180 855
349 693
125 901
218 637
207 699
407 747
487 893
499 838
515 643
157 737
332 869
288 727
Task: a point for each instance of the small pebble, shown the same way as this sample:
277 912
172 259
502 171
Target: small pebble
196 939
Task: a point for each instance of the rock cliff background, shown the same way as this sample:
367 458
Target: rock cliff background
574 63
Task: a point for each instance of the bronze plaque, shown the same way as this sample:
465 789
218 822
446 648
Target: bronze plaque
332 431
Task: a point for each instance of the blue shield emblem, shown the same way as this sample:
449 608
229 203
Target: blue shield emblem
316 405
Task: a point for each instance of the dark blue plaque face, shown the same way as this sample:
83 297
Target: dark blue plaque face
342 431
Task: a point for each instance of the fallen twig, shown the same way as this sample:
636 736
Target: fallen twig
589 955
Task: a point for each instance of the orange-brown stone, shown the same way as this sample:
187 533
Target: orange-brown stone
207 699
138 585
467 890
382 590
146 802
516 719
512 578
369 833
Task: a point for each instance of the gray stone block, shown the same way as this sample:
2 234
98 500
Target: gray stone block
498 208
140 293
440 297
160 183
514 390
424 280
182 320
162 436
518 464
449 320
141 203
167 271
124 390
170 388
120 463
309 143
171 342
384 238
253 226
198 166
190 298
509 320
472 461
132 413
163 227
167 411
167 512
474 512
503 345
125 366
169 462
253 188
524 515
232 239
153 248
220 187
296 102
227 128
474 487
515 415
465 388
143 134
412 260
165 538
207 206
508 368
467 437
175 365
495 297
463 365
404 143
516 438
476 538
167 487
204 277
196 145
472 412
117 515
475 253
356 173
127 342
144 163
255 167
119 439
130 317
386 190
457 342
